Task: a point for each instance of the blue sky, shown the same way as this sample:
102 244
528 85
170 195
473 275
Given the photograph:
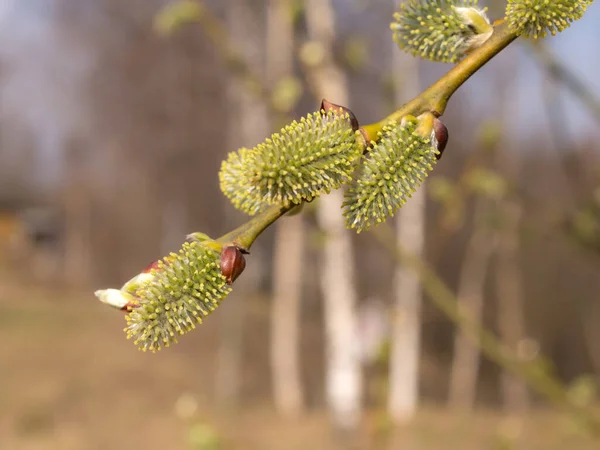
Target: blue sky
578 47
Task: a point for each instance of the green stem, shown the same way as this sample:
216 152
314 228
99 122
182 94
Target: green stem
436 97
244 235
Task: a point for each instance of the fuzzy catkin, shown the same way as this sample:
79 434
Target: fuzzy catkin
538 18
184 287
440 30
394 168
304 160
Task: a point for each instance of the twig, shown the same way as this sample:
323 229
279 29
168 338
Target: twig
434 99
532 371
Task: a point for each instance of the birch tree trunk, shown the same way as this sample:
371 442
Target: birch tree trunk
289 241
509 283
343 369
510 309
465 366
406 342
248 125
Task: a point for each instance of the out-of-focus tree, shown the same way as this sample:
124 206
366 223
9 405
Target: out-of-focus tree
507 276
511 323
465 365
406 318
288 254
248 125
487 187
343 368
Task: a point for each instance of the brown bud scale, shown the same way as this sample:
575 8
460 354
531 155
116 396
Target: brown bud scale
233 263
441 135
328 106
149 267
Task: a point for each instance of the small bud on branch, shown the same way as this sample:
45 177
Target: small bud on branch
441 136
233 263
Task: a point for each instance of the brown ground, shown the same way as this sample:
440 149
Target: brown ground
70 380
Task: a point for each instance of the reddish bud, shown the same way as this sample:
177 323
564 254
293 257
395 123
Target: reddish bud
233 263
328 106
441 135
130 307
149 267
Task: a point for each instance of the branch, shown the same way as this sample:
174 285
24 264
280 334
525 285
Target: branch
434 99
534 372
170 297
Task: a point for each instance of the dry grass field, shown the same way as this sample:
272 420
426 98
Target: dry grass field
70 381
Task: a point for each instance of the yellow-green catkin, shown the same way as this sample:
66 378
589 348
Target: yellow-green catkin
393 169
538 18
304 160
185 287
440 30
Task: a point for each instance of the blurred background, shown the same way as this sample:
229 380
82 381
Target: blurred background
114 119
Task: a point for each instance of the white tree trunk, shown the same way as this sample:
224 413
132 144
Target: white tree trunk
406 326
289 241
465 366
510 309
509 283
344 374
249 125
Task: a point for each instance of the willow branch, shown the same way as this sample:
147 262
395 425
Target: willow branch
434 98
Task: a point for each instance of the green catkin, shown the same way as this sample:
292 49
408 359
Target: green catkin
236 186
304 160
393 169
185 287
538 18
440 30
